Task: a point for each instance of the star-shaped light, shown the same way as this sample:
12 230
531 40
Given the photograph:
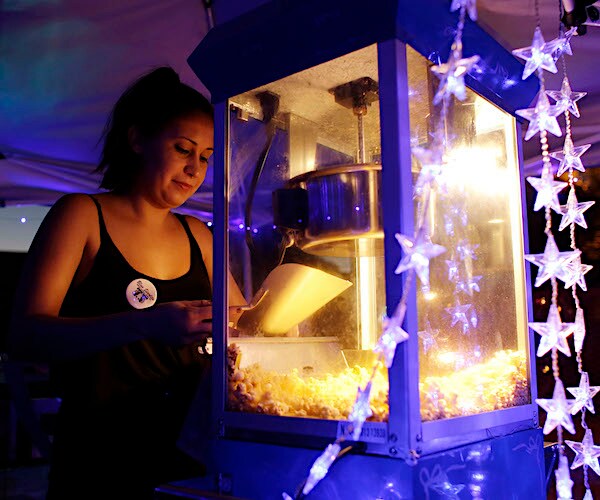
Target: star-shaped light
574 273
442 485
360 411
452 75
558 409
537 55
428 336
583 394
547 191
452 269
470 5
446 489
542 117
551 262
448 224
466 249
573 211
554 333
320 467
566 99
562 44
564 483
432 161
417 253
570 156
586 452
459 315
579 332
469 285
452 216
392 335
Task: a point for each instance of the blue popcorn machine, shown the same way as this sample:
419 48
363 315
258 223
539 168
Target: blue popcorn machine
318 106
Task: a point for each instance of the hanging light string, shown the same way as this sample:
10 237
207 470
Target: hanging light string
578 309
418 250
554 264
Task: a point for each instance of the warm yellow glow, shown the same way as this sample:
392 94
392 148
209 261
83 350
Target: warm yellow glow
331 396
366 270
429 295
476 170
447 357
496 221
488 117
499 382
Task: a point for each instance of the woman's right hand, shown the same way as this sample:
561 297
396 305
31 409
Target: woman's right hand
178 323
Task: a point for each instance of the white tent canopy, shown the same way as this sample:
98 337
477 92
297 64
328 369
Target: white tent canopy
64 63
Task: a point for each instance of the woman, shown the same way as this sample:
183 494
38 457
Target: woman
116 296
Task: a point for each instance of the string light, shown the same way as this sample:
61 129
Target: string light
556 265
418 250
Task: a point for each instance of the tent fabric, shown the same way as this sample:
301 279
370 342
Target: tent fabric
63 63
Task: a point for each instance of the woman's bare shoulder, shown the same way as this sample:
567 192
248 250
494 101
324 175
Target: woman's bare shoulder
74 203
72 214
198 228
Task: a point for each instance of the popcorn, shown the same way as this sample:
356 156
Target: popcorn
500 382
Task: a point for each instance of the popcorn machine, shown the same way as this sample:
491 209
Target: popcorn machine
317 110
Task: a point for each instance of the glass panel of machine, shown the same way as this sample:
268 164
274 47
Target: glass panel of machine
472 319
305 240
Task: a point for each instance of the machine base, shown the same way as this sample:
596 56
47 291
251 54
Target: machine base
513 466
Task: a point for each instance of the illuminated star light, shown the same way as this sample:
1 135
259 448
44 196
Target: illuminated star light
547 191
452 269
459 314
428 336
551 262
579 333
446 489
562 44
574 273
537 55
473 319
470 285
573 211
466 249
570 156
585 452
558 409
566 99
452 75
417 254
541 117
470 5
321 467
360 411
554 333
392 335
583 394
431 160
564 483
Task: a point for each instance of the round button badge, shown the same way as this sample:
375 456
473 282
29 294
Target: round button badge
141 293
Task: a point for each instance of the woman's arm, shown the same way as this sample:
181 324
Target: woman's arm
37 332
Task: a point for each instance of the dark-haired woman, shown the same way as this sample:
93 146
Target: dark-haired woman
116 295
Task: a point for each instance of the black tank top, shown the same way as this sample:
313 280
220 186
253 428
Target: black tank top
103 377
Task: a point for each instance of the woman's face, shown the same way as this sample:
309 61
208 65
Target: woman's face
175 160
